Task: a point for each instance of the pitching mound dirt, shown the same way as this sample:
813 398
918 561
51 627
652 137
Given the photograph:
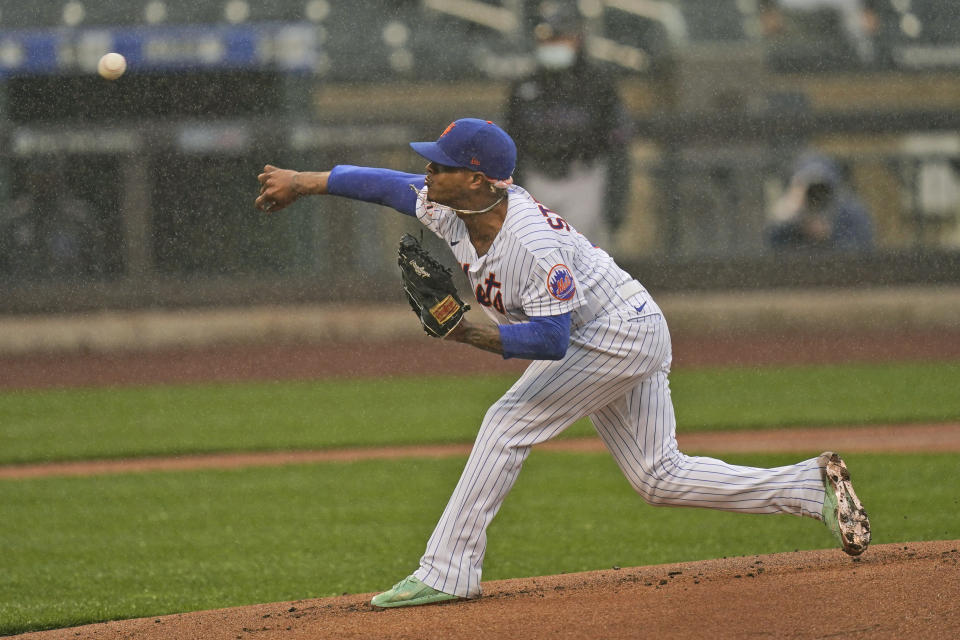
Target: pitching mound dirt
907 590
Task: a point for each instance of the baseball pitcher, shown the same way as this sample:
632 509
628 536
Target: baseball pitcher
597 341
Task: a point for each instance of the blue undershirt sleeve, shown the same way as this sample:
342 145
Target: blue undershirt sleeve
381 186
543 338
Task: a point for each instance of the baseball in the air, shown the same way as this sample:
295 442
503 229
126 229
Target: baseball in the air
112 66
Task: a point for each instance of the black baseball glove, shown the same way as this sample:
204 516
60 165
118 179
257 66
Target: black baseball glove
429 288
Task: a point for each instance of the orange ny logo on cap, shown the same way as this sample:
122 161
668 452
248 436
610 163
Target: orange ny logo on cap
447 130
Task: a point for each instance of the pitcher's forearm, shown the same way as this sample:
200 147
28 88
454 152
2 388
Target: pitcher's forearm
310 183
479 336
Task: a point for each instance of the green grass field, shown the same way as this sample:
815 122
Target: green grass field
78 550
107 423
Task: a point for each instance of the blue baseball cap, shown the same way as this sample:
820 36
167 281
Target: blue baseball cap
475 144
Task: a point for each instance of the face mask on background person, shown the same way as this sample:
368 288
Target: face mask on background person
556 55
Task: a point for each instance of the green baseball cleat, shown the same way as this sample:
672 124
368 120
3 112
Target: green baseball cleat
842 512
410 592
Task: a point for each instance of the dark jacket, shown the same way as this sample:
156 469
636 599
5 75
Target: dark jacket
557 117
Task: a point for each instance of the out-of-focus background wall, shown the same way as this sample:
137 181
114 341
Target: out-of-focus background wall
145 185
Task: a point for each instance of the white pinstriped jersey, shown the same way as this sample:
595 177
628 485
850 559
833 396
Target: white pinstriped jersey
538 265
614 371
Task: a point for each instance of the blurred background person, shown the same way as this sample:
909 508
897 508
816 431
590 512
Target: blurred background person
47 232
571 129
819 210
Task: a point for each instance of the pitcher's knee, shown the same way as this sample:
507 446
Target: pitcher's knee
656 487
654 498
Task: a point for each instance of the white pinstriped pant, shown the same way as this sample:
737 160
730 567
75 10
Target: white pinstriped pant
622 385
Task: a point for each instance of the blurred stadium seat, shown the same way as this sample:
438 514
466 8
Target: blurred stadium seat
353 41
16 14
922 34
460 41
811 41
936 21
713 20
51 13
655 36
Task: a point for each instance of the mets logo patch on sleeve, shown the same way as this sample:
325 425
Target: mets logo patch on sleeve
560 282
